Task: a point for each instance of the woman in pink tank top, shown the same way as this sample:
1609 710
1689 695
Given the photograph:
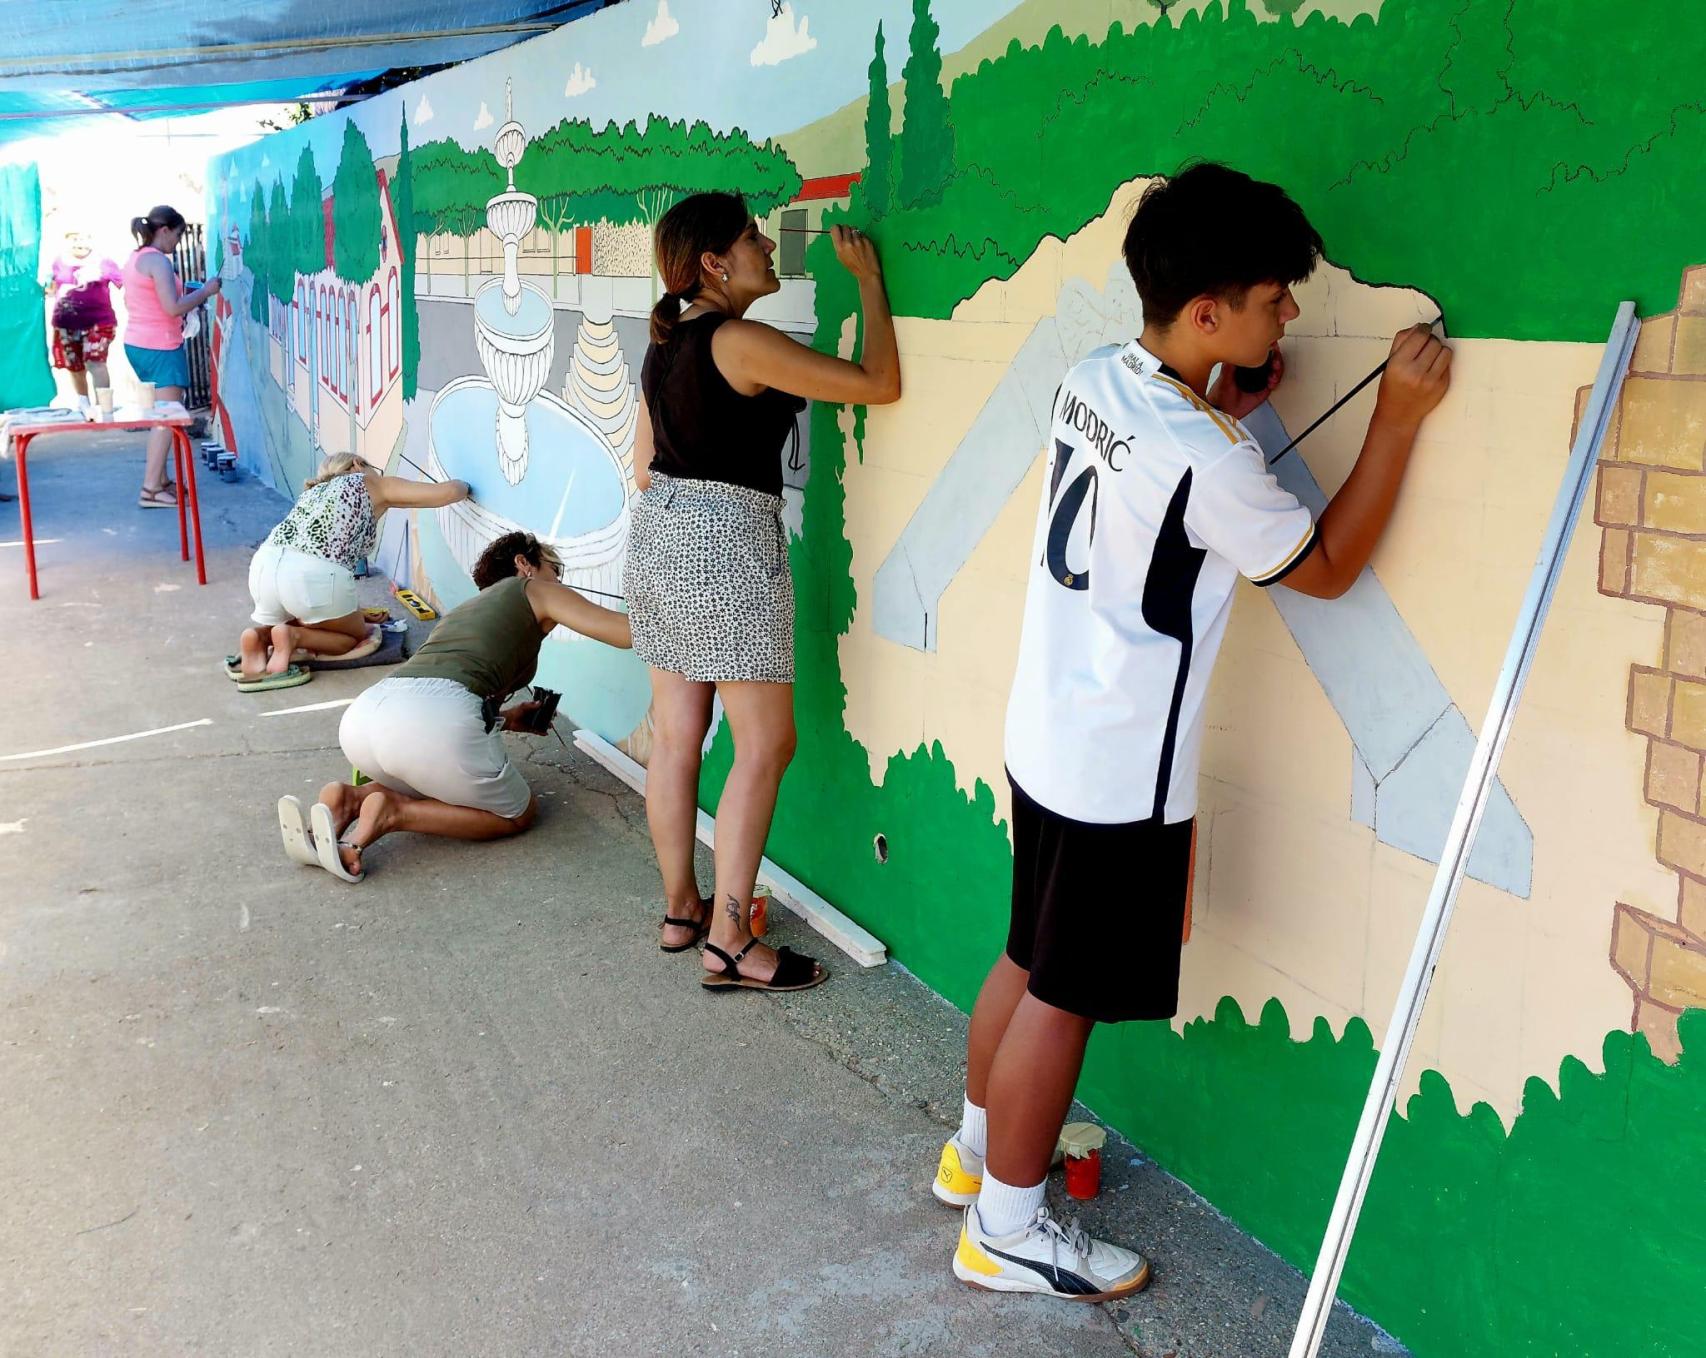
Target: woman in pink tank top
155 306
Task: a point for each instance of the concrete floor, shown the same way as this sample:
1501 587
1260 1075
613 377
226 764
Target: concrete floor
466 1107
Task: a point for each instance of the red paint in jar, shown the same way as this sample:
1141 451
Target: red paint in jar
1084 1175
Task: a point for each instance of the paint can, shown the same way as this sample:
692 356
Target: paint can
1082 1142
758 917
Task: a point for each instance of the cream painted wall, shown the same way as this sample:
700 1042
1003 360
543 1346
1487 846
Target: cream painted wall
1294 899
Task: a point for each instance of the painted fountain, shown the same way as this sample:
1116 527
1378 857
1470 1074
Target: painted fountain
559 467
535 461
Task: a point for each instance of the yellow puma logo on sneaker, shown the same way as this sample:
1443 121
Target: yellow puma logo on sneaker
955 1185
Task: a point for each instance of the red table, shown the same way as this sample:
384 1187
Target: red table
183 458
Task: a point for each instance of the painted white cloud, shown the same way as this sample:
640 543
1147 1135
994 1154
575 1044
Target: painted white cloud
783 39
484 118
580 81
662 28
423 112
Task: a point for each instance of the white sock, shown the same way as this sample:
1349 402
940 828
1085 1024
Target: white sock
974 1130
1003 1209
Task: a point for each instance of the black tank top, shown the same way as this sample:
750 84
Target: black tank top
702 427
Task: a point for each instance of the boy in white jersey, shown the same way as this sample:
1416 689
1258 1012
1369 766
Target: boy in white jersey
1156 500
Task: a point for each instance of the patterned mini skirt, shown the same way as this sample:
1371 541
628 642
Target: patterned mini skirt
710 595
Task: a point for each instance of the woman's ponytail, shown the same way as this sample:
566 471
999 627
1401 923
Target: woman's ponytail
158 218
664 316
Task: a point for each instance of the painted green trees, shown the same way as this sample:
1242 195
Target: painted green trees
260 238
280 281
627 173
403 200
926 150
878 179
355 210
451 187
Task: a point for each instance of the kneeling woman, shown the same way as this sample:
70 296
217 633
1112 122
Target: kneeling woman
430 735
302 578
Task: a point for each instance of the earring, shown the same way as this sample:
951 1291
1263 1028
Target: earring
725 275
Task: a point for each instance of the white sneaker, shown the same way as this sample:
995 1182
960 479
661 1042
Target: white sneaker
1046 1257
959 1174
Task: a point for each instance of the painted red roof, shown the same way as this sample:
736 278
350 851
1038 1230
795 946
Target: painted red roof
826 186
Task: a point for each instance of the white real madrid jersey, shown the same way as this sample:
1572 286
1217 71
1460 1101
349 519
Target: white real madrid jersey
1153 504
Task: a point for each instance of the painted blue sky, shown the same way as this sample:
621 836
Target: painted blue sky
723 61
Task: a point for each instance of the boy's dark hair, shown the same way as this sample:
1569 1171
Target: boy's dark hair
497 562
1210 230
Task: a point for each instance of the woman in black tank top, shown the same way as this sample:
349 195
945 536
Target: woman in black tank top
707 580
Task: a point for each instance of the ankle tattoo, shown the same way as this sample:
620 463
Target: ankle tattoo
731 908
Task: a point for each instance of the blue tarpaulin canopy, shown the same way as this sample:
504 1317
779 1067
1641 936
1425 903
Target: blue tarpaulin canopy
64 60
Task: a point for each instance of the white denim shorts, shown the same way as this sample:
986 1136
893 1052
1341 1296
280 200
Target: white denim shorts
289 585
426 738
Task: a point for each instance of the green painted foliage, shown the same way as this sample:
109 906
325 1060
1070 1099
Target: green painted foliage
307 235
403 202
878 179
1425 147
355 209
260 241
280 280
926 150
627 173
451 187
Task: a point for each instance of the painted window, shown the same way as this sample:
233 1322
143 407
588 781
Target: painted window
352 364
791 252
299 312
394 326
377 317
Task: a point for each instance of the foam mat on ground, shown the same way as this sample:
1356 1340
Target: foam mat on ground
393 650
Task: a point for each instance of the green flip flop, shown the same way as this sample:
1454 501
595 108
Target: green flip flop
289 678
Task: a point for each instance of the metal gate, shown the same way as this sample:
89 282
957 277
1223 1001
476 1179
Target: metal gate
190 260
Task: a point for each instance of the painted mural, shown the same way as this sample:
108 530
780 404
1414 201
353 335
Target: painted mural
454 278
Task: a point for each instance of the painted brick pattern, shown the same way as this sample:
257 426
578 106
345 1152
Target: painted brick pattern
1651 508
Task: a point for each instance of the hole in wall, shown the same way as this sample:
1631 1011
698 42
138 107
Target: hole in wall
881 845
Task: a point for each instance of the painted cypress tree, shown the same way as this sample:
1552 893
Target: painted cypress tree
307 253
278 259
355 210
926 150
879 137
258 253
307 220
403 200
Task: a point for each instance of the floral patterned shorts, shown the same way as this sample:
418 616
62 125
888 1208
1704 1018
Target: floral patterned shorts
74 350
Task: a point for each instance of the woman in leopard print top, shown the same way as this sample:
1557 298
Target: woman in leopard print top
302 577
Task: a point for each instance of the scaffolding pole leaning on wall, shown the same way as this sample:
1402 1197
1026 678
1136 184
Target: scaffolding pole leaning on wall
1454 859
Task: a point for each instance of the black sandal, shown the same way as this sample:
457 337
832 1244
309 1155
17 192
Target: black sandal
700 928
794 971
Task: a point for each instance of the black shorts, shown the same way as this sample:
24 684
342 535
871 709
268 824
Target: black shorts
1099 911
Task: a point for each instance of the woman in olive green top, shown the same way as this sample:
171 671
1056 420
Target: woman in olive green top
429 736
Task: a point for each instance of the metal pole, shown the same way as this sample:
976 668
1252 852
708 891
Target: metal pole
1507 693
